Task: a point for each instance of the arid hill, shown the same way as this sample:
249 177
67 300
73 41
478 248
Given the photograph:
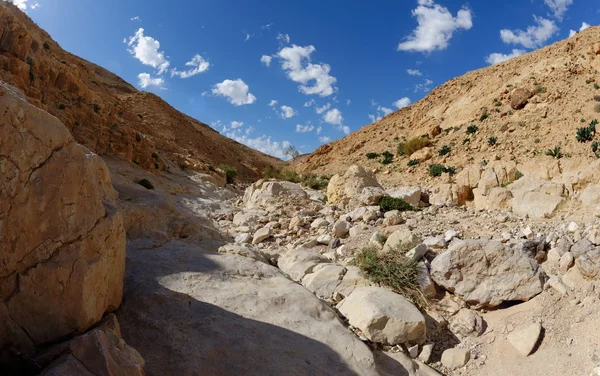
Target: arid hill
557 85
108 115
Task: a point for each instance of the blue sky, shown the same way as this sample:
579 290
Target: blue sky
273 73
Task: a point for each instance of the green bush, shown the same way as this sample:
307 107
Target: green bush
436 169
554 153
372 155
451 170
46 46
62 106
484 116
492 141
155 155
584 134
444 150
146 184
393 270
388 203
387 158
230 172
414 144
518 175
596 86
472 129
595 146
314 182
413 163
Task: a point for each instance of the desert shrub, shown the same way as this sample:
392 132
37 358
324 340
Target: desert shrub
584 134
554 153
451 170
146 184
46 46
413 145
230 172
596 86
518 175
413 163
140 116
536 141
62 106
387 158
393 270
595 146
155 155
388 203
372 155
315 182
271 172
492 141
436 169
290 175
472 129
466 141
484 116
444 150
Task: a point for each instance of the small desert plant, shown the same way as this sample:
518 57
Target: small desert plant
230 172
140 116
536 141
46 46
271 172
451 170
155 155
472 129
387 158
436 170
585 134
413 145
518 175
466 141
146 184
393 270
595 146
315 182
62 106
388 203
492 141
484 116
554 153
444 150
596 86
372 155
413 163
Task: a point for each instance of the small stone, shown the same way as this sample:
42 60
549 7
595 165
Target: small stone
425 354
341 228
557 284
261 235
319 222
572 227
417 253
324 239
566 262
243 238
334 243
413 351
455 358
528 233
450 235
524 340
437 242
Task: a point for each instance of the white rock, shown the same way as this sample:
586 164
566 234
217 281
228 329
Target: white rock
417 253
450 235
466 323
402 236
524 340
455 358
557 284
377 240
262 234
324 239
528 233
383 316
594 236
324 279
413 351
341 228
243 238
435 242
572 227
412 195
319 223
298 262
566 262
426 351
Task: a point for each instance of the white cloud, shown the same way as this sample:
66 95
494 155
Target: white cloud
319 129
146 80
283 38
322 109
236 92
236 124
287 112
386 111
558 7
374 118
414 72
343 128
310 103
496 58
266 60
272 103
425 86
436 26
136 18
146 50
304 128
248 36
348 102
324 139
297 63
533 37
267 26
333 117
584 26
402 102
22 4
262 143
249 130
199 65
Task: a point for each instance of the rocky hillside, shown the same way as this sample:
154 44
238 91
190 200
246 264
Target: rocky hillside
105 113
526 106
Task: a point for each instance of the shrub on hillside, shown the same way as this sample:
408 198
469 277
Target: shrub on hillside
555 152
492 141
230 172
393 270
484 116
472 129
388 203
436 169
387 158
372 155
595 146
444 150
413 163
584 134
414 144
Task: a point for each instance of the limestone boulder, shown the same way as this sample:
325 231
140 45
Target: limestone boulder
383 316
535 204
590 197
497 199
450 195
324 279
520 97
589 264
422 155
412 195
469 176
299 262
351 184
264 192
62 242
487 273
370 196
401 237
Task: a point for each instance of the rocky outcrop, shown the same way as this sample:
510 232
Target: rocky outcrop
263 193
343 188
477 271
62 243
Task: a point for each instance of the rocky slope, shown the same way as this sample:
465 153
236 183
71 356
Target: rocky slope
105 113
529 104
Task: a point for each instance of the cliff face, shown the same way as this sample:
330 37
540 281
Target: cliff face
105 113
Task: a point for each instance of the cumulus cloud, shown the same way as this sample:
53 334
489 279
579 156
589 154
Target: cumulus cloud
535 36
23 4
558 7
146 80
496 58
304 128
136 18
236 92
414 72
324 139
236 124
262 143
319 129
584 26
323 108
436 25
283 38
266 60
333 117
146 50
267 26
343 128
424 87
402 102
197 64
287 112
272 103
310 103
314 78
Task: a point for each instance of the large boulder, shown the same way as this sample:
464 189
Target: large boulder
520 97
264 192
297 263
497 199
487 273
62 242
383 316
535 204
450 195
412 195
350 185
